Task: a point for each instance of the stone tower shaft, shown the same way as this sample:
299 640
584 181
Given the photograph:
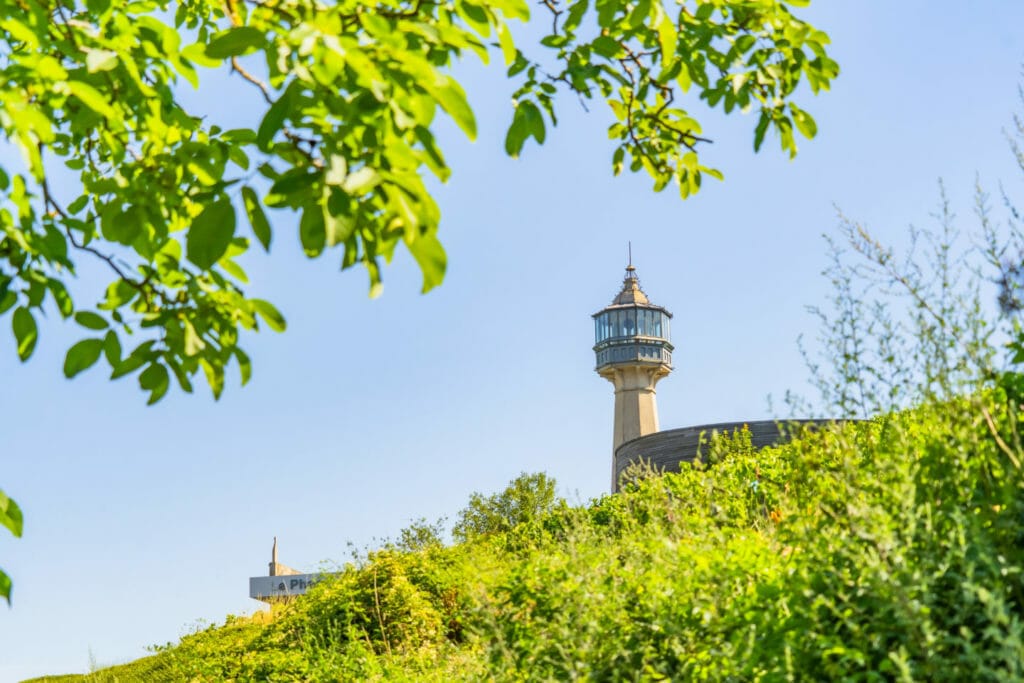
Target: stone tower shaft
636 407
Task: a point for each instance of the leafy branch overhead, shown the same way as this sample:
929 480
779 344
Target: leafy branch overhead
11 518
160 196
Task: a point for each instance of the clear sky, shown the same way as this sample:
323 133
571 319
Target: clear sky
141 522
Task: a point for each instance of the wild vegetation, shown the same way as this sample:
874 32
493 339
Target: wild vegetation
888 549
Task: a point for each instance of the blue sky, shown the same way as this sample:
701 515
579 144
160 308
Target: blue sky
141 522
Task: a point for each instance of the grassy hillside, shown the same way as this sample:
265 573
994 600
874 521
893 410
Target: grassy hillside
889 550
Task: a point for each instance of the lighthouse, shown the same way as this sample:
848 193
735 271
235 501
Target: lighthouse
633 351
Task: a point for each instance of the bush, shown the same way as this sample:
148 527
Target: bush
888 549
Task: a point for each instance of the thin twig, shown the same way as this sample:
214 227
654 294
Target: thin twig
236 67
999 440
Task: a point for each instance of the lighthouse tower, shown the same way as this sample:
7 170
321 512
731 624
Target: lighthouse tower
633 351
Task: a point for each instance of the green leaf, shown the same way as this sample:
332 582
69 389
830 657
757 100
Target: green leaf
7 299
508 47
141 355
667 34
100 60
513 9
10 515
244 365
112 348
430 256
526 121
193 342
269 313
92 98
338 219
234 42
214 377
155 380
295 181
234 270
121 226
576 12
20 31
196 53
606 46
804 122
257 219
119 293
5 586
762 128
60 297
25 332
312 231
273 120
361 181
181 375
210 234
452 99
534 120
90 320
82 356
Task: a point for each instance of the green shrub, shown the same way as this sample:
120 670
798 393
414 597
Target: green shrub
891 549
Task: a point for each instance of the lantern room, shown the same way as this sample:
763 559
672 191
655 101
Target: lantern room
632 330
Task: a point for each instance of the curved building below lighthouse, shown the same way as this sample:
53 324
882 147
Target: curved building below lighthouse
633 349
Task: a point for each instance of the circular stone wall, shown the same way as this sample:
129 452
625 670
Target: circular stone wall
665 450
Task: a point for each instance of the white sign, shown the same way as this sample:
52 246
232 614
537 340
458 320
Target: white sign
263 587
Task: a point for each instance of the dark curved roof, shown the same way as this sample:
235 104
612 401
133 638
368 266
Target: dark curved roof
666 450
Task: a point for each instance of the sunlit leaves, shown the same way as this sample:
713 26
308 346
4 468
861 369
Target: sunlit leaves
10 515
430 256
234 42
361 181
345 101
804 123
452 98
92 98
270 314
100 60
11 518
645 57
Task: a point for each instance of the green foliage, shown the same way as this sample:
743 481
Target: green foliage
421 535
160 196
526 498
881 550
12 519
146 670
